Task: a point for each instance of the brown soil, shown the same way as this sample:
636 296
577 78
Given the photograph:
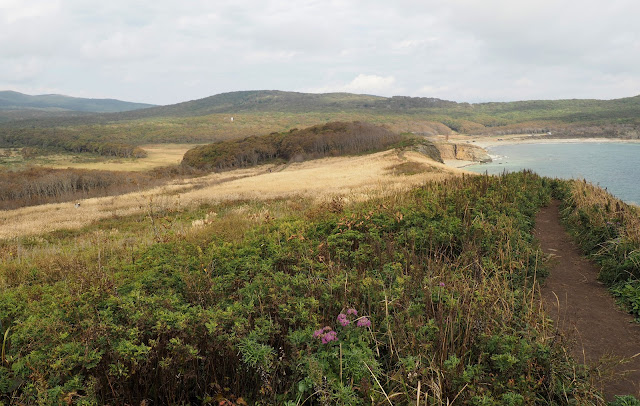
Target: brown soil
599 333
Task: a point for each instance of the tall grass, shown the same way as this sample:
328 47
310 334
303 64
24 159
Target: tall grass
608 230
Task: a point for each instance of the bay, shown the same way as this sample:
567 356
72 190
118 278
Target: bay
611 165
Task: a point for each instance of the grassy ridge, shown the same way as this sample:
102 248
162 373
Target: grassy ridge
234 310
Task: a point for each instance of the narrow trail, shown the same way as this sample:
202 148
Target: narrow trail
584 311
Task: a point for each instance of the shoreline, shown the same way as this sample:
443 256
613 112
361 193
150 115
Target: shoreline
489 142
492 141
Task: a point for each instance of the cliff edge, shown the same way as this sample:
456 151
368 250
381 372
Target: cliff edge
462 152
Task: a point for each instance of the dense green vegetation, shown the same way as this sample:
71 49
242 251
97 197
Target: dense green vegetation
41 140
608 230
425 296
331 139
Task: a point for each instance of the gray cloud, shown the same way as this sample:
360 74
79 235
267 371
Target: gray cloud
165 51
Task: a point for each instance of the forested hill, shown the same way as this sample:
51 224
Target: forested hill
22 105
463 117
257 101
293 102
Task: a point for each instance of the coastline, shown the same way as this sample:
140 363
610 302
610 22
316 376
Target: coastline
487 142
491 141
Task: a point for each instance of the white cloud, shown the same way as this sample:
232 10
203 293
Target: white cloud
363 84
372 84
462 50
21 70
18 11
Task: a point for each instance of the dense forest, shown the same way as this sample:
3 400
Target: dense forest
331 139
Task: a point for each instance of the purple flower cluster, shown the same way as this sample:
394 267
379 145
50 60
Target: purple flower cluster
343 320
326 335
363 322
329 336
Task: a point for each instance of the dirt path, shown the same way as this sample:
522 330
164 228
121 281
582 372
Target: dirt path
584 311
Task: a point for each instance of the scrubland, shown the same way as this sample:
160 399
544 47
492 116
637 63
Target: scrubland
265 288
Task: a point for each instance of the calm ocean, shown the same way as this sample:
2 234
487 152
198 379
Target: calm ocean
614 166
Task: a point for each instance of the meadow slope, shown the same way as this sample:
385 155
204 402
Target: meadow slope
354 177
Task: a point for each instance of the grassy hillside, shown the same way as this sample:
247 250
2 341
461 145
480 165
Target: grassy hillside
422 296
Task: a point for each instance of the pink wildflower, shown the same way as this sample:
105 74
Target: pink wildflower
329 336
318 333
343 320
442 284
364 322
352 312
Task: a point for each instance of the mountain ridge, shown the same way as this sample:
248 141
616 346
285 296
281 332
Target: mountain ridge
12 101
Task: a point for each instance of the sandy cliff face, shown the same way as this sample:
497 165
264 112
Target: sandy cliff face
464 152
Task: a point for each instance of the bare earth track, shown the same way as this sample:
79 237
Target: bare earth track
585 312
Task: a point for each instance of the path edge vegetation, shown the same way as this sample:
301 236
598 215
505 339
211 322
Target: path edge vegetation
608 232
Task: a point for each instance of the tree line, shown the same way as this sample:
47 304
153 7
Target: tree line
331 139
52 140
37 185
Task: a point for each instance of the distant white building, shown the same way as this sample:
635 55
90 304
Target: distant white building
232 119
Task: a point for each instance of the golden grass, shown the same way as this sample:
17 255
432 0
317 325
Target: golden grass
354 178
585 194
157 155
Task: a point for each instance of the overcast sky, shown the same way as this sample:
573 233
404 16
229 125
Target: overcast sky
168 51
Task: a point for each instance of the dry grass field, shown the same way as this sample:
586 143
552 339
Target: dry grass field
157 155
353 178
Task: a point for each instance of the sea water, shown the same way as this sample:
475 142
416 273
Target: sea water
614 166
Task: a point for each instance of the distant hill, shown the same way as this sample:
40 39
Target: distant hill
55 104
262 111
290 102
462 117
